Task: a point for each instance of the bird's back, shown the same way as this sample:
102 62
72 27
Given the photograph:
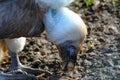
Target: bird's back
20 18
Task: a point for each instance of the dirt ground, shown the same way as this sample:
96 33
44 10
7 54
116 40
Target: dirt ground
100 58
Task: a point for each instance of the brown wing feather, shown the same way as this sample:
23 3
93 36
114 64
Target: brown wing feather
3 51
20 18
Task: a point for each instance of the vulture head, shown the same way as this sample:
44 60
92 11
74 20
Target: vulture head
68 31
54 4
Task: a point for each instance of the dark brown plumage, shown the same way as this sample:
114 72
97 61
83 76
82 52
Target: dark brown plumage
20 18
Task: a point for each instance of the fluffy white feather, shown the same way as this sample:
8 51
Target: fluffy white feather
16 45
63 24
55 4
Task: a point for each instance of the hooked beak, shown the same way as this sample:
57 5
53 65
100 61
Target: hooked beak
68 53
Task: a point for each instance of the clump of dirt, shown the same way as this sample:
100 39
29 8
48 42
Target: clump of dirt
100 58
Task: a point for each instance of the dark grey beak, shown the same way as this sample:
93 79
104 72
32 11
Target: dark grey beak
68 53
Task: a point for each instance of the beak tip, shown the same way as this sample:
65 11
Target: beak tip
69 67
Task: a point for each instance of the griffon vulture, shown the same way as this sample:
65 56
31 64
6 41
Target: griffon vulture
27 18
